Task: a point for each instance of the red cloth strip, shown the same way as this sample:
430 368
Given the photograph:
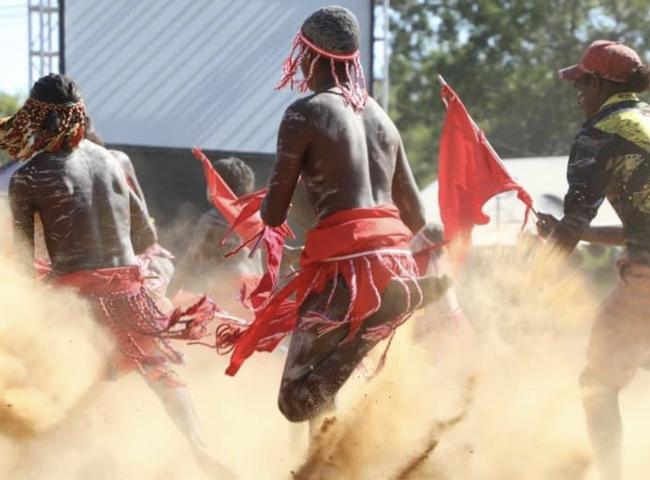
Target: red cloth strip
362 234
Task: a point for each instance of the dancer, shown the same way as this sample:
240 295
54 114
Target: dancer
358 280
89 215
610 158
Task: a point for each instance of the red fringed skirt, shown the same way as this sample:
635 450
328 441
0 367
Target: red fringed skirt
366 248
142 331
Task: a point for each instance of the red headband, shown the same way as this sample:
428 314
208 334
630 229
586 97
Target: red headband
354 92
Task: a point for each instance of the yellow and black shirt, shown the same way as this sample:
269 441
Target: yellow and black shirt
610 158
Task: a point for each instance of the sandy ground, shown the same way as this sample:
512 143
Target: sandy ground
502 406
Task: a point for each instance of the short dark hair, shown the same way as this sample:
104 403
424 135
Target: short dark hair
55 88
92 134
239 176
334 29
639 80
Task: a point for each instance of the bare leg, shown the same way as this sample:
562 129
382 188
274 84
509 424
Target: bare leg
604 423
318 366
179 407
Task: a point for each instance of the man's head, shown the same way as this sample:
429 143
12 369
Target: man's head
239 176
52 119
57 89
334 29
606 68
327 45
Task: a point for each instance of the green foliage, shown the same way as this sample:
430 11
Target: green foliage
9 104
501 56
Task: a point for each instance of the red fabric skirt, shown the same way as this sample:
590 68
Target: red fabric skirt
366 248
142 331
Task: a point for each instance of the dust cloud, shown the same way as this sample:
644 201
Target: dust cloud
502 405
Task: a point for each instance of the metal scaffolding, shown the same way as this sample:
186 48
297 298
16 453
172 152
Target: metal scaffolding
382 36
43 33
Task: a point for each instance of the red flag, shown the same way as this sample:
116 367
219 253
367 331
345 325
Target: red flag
243 216
470 172
224 200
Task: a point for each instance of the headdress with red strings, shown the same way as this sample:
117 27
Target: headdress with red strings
353 85
24 134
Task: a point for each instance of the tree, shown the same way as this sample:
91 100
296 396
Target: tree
501 56
9 104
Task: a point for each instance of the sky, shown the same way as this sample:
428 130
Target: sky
13 47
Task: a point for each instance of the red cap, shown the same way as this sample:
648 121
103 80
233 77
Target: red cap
611 60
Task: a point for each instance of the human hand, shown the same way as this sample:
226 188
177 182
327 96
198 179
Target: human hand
546 223
433 232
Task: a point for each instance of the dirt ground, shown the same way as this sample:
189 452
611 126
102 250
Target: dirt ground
502 405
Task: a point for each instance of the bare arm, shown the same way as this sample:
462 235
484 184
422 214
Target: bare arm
608 235
294 138
22 210
131 177
143 232
406 195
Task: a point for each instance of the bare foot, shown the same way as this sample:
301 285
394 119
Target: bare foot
433 287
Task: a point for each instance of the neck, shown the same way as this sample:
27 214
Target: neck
323 78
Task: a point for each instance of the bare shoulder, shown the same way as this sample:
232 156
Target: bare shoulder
374 112
298 119
376 120
21 178
123 159
29 171
96 154
300 111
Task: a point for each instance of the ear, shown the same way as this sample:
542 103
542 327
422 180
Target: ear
596 82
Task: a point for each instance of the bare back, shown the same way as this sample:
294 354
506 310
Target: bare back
85 204
347 159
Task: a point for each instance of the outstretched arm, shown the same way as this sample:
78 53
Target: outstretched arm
294 138
607 235
406 195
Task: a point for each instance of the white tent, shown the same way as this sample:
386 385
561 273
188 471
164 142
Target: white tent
545 180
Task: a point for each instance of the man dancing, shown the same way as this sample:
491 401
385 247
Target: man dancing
204 266
610 159
88 214
358 280
155 260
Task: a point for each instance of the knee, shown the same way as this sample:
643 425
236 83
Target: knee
295 408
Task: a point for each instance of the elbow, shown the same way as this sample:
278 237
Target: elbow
418 222
412 212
